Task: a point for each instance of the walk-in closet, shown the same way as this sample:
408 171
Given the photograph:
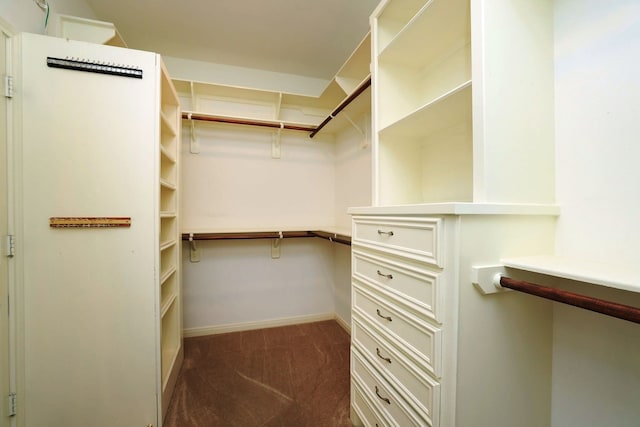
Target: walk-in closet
363 213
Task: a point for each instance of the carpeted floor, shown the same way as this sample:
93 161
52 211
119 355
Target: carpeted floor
290 376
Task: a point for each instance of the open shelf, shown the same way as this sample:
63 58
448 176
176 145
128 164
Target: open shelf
451 129
427 156
169 249
440 113
440 27
395 16
213 102
625 277
333 234
356 68
167 125
407 88
170 341
168 198
168 259
168 168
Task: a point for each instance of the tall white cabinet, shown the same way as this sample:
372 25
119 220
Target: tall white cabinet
463 177
97 243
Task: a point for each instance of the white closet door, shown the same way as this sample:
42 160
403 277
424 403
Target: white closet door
88 295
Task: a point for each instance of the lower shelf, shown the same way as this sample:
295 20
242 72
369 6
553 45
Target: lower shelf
170 340
329 235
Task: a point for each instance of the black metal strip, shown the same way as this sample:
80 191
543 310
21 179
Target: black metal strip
94 67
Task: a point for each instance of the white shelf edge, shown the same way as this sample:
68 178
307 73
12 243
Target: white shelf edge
328 229
407 26
167 374
165 152
618 276
459 208
168 124
167 245
423 108
166 184
167 274
167 304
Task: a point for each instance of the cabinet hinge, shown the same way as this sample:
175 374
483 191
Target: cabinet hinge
8 86
9 246
12 404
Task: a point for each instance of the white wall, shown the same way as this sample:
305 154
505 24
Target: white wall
26 16
233 184
237 283
596 360
352 188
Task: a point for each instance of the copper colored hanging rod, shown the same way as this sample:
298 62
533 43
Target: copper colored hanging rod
247 235
268 124
281 125
338 238
345 240
363 86
620 311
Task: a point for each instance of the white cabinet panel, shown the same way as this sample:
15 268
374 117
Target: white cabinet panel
413 237
417 338
417 387
417 288
89 297
386 399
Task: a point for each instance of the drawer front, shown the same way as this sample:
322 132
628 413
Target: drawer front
403 329
386 399
417 288
364 409
418 238
416 385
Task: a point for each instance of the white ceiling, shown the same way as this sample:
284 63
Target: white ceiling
311 38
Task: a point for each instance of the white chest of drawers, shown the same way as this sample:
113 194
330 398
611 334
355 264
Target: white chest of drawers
427 348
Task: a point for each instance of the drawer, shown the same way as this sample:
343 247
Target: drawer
405 331
417 238
387 401
417 288
414 383
364 409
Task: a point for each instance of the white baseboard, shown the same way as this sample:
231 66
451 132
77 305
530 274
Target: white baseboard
263 324
346 326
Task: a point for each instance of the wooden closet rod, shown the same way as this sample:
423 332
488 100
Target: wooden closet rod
620 311
222 119
338 238
345 240
281 125
363 86
247 235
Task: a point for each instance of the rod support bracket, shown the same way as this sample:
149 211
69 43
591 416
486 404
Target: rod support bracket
194 147
194 252
486 278
275 142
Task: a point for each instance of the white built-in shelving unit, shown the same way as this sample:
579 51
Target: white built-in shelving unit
242 105
452 120
248 112
463 161
118 258
171 350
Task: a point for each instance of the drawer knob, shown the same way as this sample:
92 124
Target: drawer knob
384 317
384 399
386 359
388 233
388 276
